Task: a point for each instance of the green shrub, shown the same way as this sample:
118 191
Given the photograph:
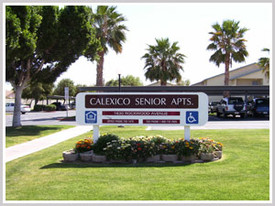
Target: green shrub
158 139
50 107
141 147
39 107
118 150
207 145
168 147
186 148
102 142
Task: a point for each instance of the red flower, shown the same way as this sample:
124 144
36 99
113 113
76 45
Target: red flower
138 144
139 148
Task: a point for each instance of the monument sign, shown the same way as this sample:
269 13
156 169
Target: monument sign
170 109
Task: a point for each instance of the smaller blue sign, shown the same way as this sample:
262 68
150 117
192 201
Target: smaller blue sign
91 117
192 117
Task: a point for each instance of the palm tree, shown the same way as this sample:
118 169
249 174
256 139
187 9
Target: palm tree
264 63
228 44
110 32
163 62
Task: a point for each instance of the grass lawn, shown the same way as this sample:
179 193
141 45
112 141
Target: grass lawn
26 133
242 173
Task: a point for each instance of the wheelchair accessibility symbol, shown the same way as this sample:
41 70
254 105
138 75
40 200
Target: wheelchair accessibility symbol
192 117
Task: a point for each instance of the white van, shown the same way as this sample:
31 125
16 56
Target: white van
24 108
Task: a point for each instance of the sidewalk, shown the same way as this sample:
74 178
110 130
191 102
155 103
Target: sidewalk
35 145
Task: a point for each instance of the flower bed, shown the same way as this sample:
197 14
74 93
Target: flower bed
112 149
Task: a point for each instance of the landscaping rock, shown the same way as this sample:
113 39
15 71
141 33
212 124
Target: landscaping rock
218 154
86 156
154 158
207 156
169 157
99 158
190 158
70 156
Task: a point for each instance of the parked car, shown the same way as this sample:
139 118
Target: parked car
231 106
24 108
72 105
259 107
213 106
60 107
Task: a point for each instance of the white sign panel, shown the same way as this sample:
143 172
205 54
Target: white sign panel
66 93
173 109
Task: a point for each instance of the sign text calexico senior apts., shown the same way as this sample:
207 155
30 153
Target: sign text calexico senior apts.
142 109
141 101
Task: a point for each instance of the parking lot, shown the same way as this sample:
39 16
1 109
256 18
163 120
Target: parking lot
214 122
43 118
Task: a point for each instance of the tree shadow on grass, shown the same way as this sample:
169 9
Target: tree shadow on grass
79 164
28 130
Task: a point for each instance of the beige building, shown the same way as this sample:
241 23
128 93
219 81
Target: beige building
249 75
158 84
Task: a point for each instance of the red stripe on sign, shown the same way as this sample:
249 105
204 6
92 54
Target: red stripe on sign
161 121
140 113
120 121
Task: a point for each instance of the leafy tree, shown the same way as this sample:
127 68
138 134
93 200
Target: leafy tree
163 62
264 63
37 91
129 80
59 90
229 45
184 83
42 42
111 33
78 86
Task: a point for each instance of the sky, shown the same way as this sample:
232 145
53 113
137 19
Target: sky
188 24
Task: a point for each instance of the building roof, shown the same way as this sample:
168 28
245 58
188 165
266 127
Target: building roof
158 84
10 94
245 74
231 72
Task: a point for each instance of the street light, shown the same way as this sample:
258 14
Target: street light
119 82
119 88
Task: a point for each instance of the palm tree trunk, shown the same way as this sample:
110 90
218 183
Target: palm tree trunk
99 69
226 76
163 83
